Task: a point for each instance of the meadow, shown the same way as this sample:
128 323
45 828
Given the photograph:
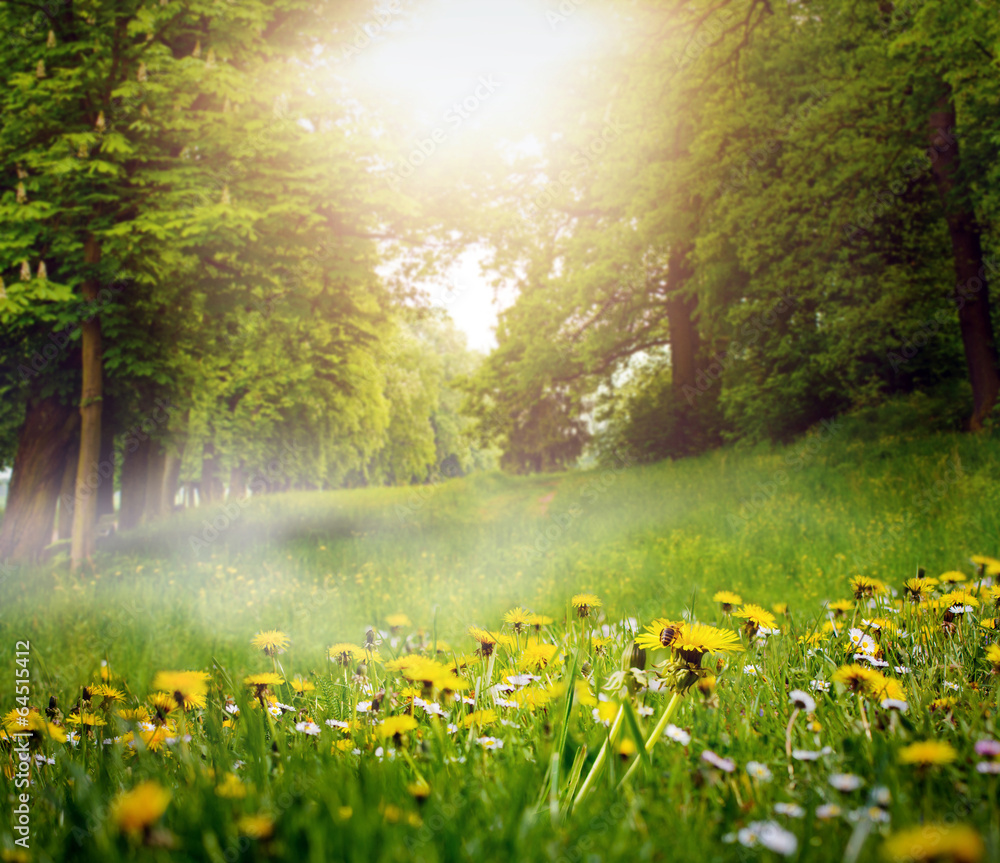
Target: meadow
479 669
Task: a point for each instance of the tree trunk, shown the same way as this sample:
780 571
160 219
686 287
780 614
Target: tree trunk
64 519
85 504
156 468
135 472
680 306
106 487
237 482
210 488
171 480
47 435
971 289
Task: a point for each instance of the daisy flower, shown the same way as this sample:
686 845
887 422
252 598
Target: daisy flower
307 727
678 735
792 810
760 772
490 742
726 765
845 781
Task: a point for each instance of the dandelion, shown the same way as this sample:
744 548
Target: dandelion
865 587
537 657
302 686
518 618
934 842
857 678
584 602
397 621
537 621
727 600
260 682
487 640
255 826
993 658
802 700
396 726
840 607
928 753
137 810
271 642
188 688
756 617
345 654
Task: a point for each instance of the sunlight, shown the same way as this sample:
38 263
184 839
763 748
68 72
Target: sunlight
456 55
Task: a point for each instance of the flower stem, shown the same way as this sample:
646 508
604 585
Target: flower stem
657 733
788 742
602 757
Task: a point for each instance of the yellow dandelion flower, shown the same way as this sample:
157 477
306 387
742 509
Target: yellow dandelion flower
993 657
952 577
260 682
188 688
537 657
928 752
840 607
864 587
396 726
988 623
136 810
231 787
946 703
780 608
539 620
86 719
344 653
696 639
479 717
917 589
256 826
727 599
271 642
756 617
518 618
940 843
107 694
858 678
163 704
659 634
584 602
397 621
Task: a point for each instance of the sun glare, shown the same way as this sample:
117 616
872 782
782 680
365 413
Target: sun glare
458 55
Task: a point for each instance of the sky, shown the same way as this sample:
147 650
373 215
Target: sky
468 297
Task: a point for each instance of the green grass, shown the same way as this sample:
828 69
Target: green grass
776 525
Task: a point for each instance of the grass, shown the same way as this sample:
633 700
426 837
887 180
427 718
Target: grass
788 525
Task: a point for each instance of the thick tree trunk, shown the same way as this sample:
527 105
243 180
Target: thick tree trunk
171 481
67 491
971 289
237 482
85 504
106 487
155 470
47 435
680 306
135 472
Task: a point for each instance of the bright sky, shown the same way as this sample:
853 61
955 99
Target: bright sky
439 58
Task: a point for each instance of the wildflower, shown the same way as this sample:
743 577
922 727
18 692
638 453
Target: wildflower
86 719
756 617
660 633
271 642
538 621
397 621
537 657
231 787
260 682
993 657
727 599
137 810
917 589
780 608
934 842
752 670
862 641
840 607
811 754
678 735
819 685
792 810
865 587
518 618
895 704
188 688
988 748
396 726
487 640
770 835
302 686
802 700
490 742
952 577
845 781
345 653
827 811
584 602
946 703
928 752
108 694
760 772
255 826
857 678
725 764
308 727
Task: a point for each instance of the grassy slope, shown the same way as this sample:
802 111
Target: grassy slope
784 525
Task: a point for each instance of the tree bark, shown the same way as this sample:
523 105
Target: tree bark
156 468
135 472
47 435
106 487
971 288
64 518
171 481
680 306
85 504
